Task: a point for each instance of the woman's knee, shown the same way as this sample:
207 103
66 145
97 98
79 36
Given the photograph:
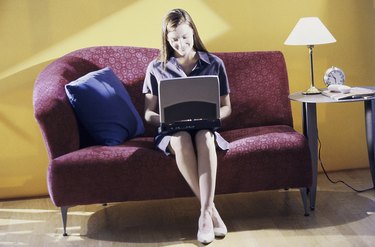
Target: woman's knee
181 140
205 137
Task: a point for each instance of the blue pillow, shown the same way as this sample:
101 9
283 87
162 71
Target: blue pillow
104 108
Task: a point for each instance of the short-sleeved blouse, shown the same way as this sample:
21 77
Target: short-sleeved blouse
207 64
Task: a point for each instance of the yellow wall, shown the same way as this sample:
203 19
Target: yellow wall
33 33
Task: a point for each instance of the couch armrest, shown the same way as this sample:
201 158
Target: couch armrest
52 110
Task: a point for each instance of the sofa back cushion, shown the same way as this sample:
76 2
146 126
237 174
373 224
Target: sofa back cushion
259 89
258 83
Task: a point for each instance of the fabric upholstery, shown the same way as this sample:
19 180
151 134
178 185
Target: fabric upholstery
259 89
265 151
260 158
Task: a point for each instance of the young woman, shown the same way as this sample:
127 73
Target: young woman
183 54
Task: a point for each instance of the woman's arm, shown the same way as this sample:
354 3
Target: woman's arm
225 106
151 102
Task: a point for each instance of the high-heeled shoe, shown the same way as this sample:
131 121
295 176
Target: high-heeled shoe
220 229
205 233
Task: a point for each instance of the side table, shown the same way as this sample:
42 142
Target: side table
310 130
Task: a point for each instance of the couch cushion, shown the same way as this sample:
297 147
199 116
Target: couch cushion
134 170
259 89
264 158
104 107
260 158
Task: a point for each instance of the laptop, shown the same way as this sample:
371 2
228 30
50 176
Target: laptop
189 103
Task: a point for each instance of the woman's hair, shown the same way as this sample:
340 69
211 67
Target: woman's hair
174 18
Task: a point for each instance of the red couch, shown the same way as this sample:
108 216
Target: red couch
266 153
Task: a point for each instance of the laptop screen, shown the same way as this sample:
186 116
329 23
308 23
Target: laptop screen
189 98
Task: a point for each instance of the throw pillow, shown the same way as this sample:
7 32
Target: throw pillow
104 108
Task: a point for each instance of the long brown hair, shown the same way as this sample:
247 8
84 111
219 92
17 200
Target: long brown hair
174 18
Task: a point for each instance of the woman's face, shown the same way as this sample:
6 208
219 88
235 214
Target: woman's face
181 39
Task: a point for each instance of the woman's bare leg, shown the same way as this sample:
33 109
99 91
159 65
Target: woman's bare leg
207 167
182 147
207 170
199 171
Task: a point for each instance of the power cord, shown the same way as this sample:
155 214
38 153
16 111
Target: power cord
338 181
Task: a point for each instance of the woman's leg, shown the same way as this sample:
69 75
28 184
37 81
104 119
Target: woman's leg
207 167
207 170
181 145
207 164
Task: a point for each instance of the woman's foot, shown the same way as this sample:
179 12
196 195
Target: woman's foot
220 230
205 233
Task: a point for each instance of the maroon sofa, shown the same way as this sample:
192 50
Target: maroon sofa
266 153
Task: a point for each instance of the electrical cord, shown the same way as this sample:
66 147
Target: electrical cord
337 181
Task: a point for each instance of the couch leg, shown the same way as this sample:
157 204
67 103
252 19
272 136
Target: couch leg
64 215
304 200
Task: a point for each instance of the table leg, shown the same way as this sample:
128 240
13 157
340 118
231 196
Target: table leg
310 130
370 135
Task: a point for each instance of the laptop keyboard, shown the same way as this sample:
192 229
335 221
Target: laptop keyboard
192 125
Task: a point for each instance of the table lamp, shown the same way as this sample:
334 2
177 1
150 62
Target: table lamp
310 31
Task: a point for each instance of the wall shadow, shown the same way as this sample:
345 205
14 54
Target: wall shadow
44 23
23 157
16 93
355 42
352 25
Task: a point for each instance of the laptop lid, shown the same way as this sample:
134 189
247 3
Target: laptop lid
189 98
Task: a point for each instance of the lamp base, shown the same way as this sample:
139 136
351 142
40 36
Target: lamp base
312 90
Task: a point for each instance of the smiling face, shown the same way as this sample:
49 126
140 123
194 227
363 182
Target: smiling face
181 39
179 36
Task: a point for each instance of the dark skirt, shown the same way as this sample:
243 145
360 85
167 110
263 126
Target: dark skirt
163 138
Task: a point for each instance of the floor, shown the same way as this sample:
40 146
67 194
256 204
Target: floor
342 218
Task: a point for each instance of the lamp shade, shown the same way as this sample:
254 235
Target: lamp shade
309 31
